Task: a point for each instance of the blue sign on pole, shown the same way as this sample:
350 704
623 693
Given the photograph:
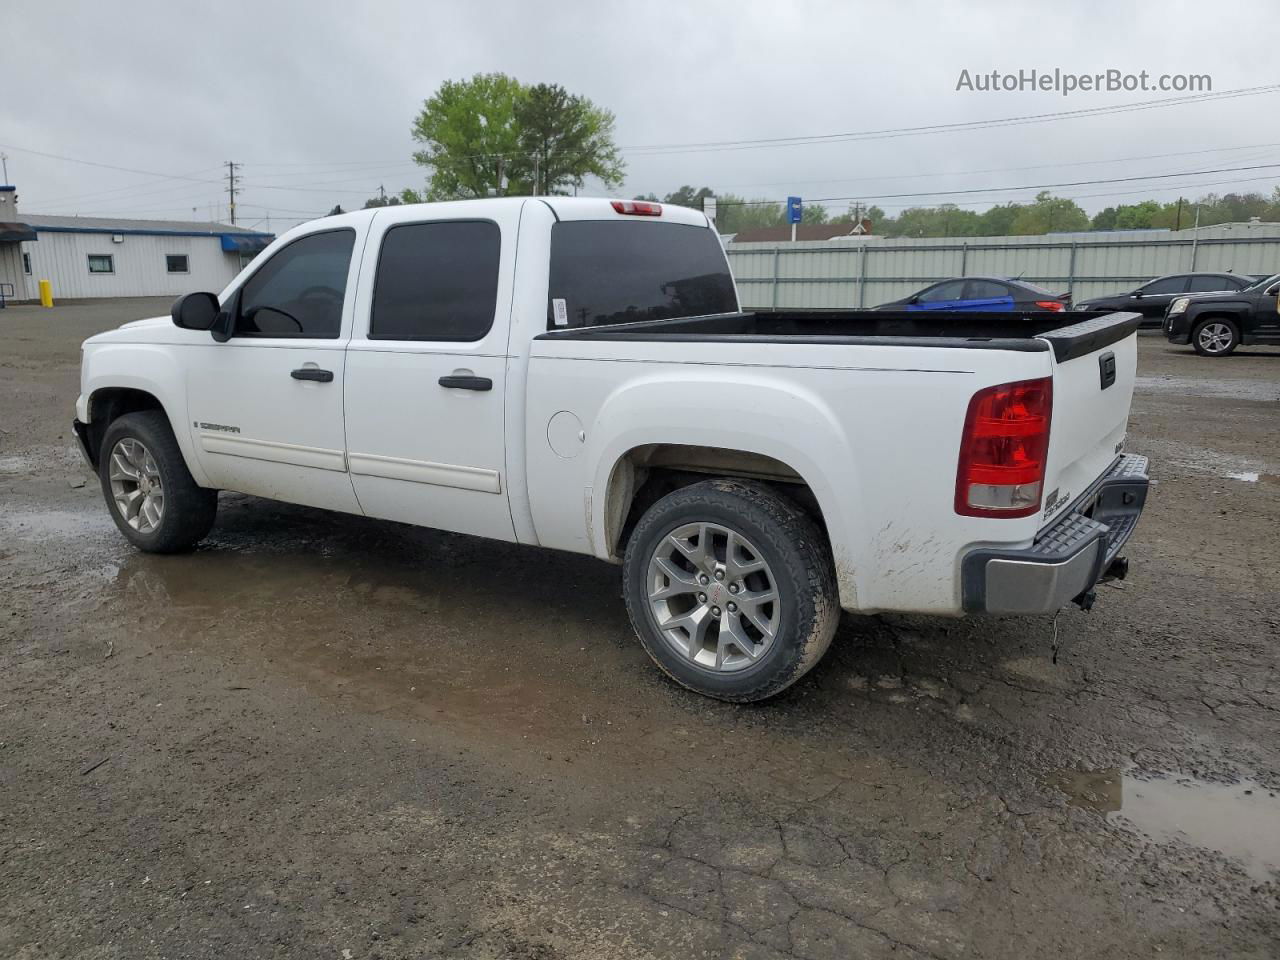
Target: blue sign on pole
794 210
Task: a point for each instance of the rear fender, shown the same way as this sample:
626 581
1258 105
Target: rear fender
734 410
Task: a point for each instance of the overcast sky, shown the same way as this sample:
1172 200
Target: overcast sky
316 99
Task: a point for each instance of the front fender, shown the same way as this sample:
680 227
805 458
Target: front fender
736 410
151 368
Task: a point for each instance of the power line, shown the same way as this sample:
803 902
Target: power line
963 173
1028 186
892 132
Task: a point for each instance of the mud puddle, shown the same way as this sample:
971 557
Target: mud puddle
1219 389
42 525
1241 820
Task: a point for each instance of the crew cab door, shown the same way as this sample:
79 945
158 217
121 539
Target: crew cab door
266 405
426 369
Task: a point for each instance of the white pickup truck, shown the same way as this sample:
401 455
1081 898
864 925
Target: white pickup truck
577 374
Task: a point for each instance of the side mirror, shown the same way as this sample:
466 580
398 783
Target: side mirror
1137 295
195 311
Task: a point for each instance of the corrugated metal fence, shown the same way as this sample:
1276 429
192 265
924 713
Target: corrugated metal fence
853 272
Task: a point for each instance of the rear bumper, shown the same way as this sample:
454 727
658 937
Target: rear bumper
1068 558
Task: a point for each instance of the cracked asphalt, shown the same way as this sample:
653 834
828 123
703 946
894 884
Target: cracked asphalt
324 736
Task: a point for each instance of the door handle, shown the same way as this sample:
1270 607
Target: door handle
312 373
467 383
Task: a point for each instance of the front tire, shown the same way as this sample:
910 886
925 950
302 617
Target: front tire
1215 337
731 589
151 494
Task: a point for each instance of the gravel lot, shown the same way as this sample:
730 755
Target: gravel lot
327 737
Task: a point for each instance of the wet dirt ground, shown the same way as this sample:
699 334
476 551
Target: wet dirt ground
320 736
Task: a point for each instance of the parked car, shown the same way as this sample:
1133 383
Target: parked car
577 374
1153 297
981 293
1215 324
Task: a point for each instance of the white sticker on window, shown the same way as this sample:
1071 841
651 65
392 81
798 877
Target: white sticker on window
559 312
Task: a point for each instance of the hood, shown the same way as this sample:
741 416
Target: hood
130 331
1218 295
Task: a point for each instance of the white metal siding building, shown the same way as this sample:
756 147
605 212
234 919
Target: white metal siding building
86 257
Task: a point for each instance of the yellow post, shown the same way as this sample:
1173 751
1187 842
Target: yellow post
46 293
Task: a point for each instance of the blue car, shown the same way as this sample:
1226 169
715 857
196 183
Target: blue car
982 293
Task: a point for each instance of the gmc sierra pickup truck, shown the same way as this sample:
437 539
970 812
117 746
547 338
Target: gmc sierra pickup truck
577 374
1216 323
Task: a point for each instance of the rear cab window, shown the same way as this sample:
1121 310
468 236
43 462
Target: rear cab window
609 272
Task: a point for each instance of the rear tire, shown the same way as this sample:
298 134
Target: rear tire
1215 337
150 493
700 569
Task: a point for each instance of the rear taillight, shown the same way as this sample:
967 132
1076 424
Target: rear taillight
1003 450
638 208
1051 305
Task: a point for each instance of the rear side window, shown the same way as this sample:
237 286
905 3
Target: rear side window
1212 284
985 290
299 292
436 281
605 271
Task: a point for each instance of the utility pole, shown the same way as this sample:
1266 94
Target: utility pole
4 162
382 195
231 187
537 170
1178 223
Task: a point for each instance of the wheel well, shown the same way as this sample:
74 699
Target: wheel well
1231 318
646 474
109 404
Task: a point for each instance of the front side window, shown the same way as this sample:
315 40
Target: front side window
943 291
606 272
436 281
1164 285
176 263
299 292
102 263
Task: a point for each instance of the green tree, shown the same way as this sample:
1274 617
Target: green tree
493 136
735 214
470 137
1105 219
997 221
382 201
1049 214
565 139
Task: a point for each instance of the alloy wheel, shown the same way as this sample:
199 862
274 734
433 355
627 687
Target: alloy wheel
713 596
136 487
1215 337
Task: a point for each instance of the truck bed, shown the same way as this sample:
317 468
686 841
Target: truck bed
1068 334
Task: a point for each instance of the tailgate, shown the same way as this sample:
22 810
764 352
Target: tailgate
1093 372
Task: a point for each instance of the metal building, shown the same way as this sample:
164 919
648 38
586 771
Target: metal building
84 257
846 272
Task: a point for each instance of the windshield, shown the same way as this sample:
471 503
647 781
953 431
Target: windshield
1263 284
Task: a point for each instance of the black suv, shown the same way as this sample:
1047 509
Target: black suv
1153 297
1215 324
